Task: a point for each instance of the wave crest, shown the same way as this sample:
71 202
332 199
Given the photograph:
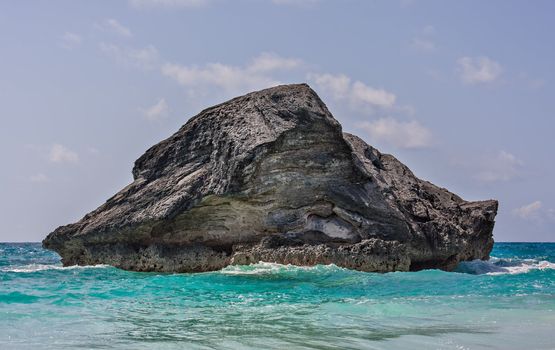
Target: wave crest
496 266
267 268
42 267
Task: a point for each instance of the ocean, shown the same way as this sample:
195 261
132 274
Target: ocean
505 303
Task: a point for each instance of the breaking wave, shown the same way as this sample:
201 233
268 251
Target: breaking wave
42 267
496 266
267 268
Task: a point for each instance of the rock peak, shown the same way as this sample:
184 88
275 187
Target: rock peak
301 92
269 176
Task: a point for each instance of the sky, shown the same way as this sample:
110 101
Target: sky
462 92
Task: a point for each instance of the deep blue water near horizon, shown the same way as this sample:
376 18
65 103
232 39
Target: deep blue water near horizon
506 303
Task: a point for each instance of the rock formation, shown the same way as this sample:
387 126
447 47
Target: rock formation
270 176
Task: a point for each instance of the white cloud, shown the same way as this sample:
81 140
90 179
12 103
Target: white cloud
157 111
476 70
372 96
39 178
93 150
339 86
424 41
117 28
71 40
536 83
61 154
435 74
535 211
429 30
531 83
503 166
267 62
357 94
295 2
423 45
229 78
147 4
145 58
529 211
233 79
398 133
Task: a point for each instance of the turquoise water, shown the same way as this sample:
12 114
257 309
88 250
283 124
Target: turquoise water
507 303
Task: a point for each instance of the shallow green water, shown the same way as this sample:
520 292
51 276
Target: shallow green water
508 303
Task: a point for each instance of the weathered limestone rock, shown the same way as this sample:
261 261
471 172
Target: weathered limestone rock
270 176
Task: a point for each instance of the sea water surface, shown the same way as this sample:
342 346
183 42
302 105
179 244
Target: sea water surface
506 303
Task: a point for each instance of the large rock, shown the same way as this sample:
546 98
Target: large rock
270 176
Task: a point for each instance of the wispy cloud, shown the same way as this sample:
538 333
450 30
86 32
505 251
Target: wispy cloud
156 112
423 45
502 166
93 151
400 134
39 178
176 4
531 83
429 30
536 212
62 154
529 211
145 58
296 2
236 79
268 62
116 27
424 41
355 93
149 4
478 70
70 40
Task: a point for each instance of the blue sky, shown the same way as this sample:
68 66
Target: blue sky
461 92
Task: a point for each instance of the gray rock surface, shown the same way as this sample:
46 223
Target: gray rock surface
270 176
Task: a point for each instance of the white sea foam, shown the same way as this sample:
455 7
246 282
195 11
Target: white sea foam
497 266
267 268
42 267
